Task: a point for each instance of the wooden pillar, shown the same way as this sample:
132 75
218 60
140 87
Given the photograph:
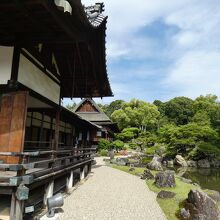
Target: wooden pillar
57 130
41 130
13 111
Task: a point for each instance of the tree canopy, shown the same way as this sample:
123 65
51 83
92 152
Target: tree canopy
181 125
136 113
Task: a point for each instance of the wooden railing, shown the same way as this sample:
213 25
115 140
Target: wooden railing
35 166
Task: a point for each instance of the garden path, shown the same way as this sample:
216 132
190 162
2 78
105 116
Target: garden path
111 194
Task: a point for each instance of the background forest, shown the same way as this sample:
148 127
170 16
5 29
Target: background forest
181 125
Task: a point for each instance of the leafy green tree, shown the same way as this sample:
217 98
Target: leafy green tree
136 113
128 134
115 105
208 105
185 138
117 144
110 108
71 106
179 110
121 118
201 118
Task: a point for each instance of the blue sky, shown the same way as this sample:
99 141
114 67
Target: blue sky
163 48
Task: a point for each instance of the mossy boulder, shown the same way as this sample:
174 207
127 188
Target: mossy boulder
165 179
200 207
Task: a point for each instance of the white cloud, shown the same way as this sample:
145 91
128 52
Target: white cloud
196 73
194 50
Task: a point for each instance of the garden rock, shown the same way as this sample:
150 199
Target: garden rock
165 194
186 180
215 195
155 164
185 214
131 168
215 163
147 175
160 151
111 154
181 171
201 206
203 163
191 163
121 161
165 179
180 161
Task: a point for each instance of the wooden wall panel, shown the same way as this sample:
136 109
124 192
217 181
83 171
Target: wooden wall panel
87 107
12 124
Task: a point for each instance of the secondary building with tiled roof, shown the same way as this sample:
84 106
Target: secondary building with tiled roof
90 111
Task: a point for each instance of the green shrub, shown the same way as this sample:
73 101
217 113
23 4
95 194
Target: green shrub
104 153
124 148
128 134
152 150
133 145
117 144
204 150
146 160
103 144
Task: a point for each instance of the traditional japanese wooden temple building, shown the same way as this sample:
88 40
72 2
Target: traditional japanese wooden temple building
90 111
49 50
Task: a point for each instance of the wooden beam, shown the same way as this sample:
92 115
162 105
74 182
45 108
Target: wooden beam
15 63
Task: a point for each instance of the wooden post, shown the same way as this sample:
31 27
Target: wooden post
57 130
90 167
12 123
17 208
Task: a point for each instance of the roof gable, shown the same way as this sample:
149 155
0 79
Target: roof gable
90 111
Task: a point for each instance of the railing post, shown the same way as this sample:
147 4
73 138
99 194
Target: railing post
82 173
48 192
17 208
90 167
69 182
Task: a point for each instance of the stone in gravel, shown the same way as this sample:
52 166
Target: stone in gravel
201 206
203 163
155 164
147 175
180 161
165 179
165 194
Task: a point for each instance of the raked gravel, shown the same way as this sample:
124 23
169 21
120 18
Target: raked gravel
111 194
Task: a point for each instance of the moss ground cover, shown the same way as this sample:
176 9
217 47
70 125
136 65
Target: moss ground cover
171 207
